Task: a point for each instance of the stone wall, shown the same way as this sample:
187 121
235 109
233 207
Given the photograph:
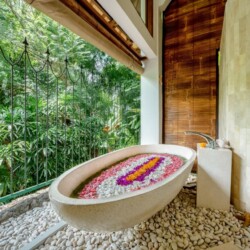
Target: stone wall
234 96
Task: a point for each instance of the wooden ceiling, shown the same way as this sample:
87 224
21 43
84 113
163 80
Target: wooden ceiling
93 13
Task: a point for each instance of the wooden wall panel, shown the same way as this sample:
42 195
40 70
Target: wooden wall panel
192 32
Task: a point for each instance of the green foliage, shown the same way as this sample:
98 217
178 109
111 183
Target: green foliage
56 114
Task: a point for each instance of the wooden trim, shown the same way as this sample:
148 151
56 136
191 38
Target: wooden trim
150 16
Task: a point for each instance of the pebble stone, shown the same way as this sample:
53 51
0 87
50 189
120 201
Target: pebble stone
180 225
15 232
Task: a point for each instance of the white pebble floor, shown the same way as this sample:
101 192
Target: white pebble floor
18 231
178 226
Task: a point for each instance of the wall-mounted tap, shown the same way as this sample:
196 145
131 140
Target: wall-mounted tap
211 143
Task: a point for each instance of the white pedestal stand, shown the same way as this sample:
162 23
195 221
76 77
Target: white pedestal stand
214 178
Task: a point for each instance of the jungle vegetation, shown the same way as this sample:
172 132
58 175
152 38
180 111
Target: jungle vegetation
62 101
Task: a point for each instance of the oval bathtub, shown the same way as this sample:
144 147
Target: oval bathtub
122 211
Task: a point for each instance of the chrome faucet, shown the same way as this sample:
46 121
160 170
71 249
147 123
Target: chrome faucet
211 143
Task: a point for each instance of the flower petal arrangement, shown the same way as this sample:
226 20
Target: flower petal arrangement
132 174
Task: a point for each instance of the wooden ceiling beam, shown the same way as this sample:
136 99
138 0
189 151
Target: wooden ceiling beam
84 9
111 26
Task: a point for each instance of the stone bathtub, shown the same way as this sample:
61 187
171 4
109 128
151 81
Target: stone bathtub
122 211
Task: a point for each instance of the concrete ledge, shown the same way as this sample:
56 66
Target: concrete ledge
23 204
42 238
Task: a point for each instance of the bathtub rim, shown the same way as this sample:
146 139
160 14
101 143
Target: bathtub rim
56 195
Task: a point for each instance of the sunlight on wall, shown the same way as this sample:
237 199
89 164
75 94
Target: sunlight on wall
234 96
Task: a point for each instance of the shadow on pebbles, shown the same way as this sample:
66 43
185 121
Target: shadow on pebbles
178 226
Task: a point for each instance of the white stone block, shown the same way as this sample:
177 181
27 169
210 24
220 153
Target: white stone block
214 178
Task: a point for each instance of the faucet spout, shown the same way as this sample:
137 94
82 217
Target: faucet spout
210 140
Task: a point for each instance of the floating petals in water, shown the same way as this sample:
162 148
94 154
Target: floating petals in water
133 174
